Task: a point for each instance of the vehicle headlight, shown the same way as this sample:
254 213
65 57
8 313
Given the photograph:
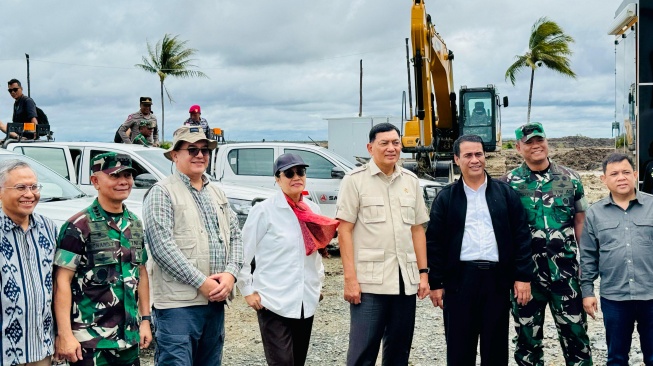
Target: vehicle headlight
240 207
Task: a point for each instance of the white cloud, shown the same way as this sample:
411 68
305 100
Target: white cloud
278 68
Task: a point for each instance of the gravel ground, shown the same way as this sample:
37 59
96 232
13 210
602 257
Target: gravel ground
331 331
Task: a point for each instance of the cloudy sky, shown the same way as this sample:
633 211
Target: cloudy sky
277 69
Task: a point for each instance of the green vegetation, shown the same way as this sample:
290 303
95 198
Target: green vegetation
165 144
169 58
507 145
549 46
620 141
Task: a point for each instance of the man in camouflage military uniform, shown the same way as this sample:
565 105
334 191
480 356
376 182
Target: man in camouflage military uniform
555 203
145 129
133 121
101 283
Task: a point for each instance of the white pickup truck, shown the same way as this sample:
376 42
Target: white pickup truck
252 164
72 160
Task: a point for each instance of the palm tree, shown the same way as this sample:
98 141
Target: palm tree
548 46
169 58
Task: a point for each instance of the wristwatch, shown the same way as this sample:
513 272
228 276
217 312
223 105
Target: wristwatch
425 270
146 317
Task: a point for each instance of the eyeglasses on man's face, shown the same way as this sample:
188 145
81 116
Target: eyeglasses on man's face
193 151
13 90
23 188
290 173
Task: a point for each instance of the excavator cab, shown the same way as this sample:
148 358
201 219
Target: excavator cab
480 114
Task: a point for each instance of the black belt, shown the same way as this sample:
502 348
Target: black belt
480 264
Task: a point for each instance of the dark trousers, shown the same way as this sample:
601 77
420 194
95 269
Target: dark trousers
619 318
479 308
285 340
390 318
193 335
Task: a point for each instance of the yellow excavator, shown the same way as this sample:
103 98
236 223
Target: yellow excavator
430 133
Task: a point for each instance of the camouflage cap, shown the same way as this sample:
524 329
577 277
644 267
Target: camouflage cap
529 130
146 123
190 134
111 163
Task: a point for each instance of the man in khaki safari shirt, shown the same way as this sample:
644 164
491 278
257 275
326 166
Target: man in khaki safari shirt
383 249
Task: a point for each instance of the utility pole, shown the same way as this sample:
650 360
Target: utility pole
360 100
28 88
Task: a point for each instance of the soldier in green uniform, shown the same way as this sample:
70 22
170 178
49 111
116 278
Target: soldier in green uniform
102 304
555 203
145 129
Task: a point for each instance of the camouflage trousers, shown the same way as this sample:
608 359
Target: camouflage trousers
109 357
566 303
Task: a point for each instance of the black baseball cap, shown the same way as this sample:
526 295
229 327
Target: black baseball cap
287 161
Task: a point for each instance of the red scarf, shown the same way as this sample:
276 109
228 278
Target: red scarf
317 230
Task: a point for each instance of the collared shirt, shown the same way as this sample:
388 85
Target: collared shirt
202 122
617 244
551 200
286 278
24 110
383 210
159 215
105 255
479 242
26 278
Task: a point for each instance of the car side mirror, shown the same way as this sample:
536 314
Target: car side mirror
337 172
145 180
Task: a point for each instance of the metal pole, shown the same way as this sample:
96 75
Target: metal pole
360 92
28 88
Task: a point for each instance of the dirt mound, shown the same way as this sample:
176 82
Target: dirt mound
579 158
570 142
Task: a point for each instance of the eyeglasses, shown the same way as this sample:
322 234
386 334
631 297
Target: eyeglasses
290 173
193 151
13 90
527 130
23 188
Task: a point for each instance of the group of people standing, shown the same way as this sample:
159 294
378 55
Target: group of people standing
141 126
491 246
494 246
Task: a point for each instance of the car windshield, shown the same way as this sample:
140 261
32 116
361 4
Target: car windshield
348 164
55 187
156 158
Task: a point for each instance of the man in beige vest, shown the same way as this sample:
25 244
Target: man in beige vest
195 242
383 248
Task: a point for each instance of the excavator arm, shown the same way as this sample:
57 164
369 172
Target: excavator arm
434 90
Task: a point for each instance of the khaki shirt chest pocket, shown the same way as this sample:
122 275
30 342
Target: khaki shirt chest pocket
408 210
373 209
369 267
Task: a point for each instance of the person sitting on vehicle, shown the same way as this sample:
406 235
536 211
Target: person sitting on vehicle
479 115
145 129
24 109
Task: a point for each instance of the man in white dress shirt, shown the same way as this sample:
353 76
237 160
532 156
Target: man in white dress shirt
478 246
